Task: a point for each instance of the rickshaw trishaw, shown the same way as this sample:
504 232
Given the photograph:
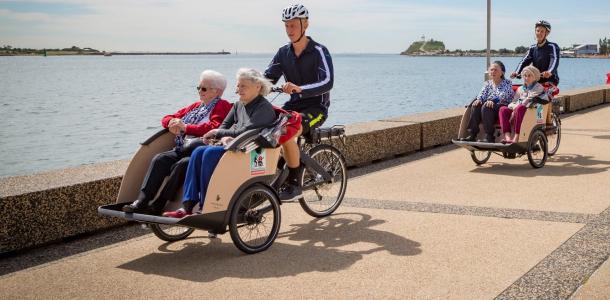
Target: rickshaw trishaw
242 196
539 138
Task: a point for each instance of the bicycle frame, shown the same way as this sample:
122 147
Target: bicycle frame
306 162
308 142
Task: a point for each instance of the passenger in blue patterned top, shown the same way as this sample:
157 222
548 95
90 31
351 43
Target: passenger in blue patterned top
496 92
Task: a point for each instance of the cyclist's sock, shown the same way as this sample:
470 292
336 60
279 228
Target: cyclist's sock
293 175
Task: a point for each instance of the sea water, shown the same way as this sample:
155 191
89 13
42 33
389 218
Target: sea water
59 112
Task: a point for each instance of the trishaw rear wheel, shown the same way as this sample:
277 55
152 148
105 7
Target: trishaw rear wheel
171 233
322 198
255 219
553 134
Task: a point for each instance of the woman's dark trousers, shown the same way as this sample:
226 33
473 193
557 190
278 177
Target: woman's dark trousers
488 116
171 163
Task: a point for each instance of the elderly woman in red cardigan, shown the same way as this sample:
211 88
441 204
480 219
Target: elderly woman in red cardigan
187 124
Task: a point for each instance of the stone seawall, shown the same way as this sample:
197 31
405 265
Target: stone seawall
51 206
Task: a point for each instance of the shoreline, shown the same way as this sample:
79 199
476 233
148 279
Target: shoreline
465 54
68 53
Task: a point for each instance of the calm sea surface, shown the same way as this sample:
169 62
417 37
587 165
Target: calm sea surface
60 112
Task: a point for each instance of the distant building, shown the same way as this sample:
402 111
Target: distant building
585 49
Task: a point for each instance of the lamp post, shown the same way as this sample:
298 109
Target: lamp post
488 38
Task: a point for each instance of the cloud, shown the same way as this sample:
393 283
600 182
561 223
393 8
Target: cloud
383 26
46 7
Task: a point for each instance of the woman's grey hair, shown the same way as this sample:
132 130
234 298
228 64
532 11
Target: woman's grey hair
501 66
256 77
217 80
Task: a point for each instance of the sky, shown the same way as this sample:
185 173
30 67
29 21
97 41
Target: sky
254 26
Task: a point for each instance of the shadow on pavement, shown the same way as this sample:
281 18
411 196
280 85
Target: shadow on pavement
558 165
20 260
327 245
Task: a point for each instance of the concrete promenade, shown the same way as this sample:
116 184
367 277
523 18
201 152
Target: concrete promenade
426 226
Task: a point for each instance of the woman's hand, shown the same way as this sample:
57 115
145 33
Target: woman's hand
546 74
476 103
226 140
513 75
176 127
489 104
210 135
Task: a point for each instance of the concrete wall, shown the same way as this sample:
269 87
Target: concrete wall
49 206
578 99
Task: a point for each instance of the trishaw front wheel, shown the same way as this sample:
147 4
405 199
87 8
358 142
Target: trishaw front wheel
255 219
480 157
537 151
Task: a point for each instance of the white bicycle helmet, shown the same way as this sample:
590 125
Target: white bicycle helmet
544 24
295 11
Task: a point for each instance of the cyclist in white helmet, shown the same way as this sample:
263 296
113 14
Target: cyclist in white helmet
308 71
543 55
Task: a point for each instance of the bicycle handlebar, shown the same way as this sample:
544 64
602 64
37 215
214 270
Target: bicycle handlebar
277 89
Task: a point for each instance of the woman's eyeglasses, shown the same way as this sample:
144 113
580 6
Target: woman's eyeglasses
203 89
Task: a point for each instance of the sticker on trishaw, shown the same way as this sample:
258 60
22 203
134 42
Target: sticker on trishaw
258 162
539 119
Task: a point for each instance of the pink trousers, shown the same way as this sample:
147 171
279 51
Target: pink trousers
505 114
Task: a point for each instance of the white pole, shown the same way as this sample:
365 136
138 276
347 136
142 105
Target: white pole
488 38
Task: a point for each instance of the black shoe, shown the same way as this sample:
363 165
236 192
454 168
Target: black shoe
470 138
138 206
291 193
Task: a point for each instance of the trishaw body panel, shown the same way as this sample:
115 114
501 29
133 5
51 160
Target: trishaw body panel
233 170
463 132
139 164
534 117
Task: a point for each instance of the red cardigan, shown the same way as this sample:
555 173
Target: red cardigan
220 111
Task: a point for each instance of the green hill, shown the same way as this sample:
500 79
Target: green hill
428 46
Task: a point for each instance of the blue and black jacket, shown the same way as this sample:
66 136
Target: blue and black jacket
544 58
312 71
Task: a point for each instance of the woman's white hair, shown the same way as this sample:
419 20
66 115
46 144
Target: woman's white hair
255 77
217 80
533 71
